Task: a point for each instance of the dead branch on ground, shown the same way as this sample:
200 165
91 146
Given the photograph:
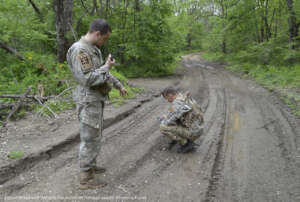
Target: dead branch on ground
17 106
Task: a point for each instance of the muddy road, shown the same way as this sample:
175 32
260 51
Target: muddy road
250 150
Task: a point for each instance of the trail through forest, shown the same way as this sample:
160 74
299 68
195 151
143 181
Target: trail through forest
250 150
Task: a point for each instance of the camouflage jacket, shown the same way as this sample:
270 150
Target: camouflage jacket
183 113
93 78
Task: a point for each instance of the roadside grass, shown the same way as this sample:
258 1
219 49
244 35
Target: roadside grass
55 106
282 79
15 155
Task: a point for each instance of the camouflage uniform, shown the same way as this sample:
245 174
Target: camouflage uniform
181 123
94 83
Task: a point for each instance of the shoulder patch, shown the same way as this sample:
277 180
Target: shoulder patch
85 61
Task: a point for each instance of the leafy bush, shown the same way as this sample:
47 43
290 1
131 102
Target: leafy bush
37 69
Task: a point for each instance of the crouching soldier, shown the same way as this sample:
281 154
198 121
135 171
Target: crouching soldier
184 121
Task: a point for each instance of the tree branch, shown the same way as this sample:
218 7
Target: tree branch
83 5
37 10
11 50
79 22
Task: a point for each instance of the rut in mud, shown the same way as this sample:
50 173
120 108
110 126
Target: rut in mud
249 150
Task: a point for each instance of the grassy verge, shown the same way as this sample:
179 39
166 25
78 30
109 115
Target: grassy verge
282 79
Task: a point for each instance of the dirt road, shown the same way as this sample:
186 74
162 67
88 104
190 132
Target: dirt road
250 150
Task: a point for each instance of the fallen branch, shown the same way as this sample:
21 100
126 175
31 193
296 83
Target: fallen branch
17 106
28 96
11 105
5 106
45 106
60 94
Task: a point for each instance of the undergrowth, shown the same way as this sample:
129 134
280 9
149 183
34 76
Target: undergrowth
279 78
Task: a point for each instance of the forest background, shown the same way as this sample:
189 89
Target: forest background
259 38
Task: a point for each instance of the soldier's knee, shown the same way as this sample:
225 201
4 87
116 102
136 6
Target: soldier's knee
88 133
163 128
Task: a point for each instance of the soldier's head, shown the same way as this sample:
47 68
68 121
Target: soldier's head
169 94
99 32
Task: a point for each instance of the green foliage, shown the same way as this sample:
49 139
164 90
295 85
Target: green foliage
115 96
15 155
16 76
151 50
267 53
21 27
55 106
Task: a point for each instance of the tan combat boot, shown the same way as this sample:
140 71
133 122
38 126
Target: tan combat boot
87 180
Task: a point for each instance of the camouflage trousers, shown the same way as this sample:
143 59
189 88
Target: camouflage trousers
91 125
179 133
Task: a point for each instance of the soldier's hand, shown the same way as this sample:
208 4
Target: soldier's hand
123 92
110 61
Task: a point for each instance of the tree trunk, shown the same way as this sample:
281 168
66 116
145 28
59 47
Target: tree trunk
265 19
63 14
136 10
293 25
95 10
100 13
189 41
224 16
262 31
277 22
107 8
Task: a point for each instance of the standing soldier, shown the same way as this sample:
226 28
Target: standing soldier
94 83
184 121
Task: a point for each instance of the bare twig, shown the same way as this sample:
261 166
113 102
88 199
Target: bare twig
11 50
73 32
83 5
45 106
63 92
37 10
79 22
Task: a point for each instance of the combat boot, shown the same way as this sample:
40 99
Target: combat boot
99 170
188 147
172 144
87 180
